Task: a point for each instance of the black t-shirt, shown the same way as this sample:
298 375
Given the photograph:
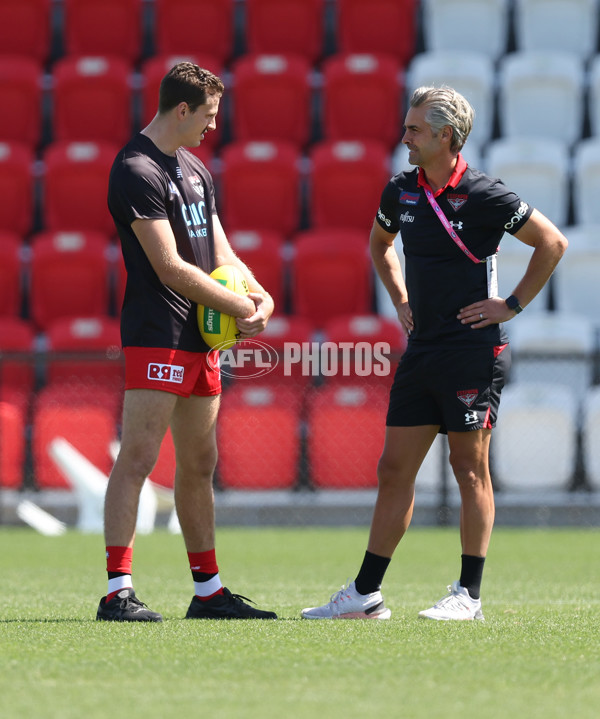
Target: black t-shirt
147 184
440 277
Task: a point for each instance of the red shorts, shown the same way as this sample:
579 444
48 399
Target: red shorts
176 371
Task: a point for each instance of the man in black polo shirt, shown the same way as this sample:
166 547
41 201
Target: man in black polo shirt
451 218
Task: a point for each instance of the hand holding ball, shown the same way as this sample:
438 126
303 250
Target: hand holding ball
218 329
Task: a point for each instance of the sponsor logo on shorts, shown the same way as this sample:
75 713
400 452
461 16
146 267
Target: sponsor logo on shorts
467 396
471 418
165 372
457 201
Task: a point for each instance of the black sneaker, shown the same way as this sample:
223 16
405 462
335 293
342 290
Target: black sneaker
226 606
125 607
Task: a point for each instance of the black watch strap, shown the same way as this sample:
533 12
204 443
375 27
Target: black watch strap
513 303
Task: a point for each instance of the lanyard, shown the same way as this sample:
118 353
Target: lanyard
449 229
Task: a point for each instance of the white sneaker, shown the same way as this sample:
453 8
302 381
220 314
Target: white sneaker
349 604
456 605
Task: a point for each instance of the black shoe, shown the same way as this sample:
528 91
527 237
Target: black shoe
226 606
125 607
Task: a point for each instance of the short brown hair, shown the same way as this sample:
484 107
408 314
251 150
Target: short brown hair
187 82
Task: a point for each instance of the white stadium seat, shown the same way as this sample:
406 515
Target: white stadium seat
541 94
593 96
536 169
534 444
470 73
571 25
466 25
586 181
577 277
553 347
590 434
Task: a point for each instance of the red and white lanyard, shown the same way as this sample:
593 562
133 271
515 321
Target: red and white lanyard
492 270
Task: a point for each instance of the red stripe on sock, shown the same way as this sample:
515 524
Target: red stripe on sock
210 596
118 559
205 562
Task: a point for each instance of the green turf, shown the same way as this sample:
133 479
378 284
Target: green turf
537 654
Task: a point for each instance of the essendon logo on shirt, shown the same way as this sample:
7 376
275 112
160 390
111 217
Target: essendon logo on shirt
197 185
165 372
457 201
467 396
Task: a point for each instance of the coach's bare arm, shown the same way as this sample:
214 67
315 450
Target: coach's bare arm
387 265
549 245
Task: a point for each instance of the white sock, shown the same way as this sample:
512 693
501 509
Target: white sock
118 583
206 589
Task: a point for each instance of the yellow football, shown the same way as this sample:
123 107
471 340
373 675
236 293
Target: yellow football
218 329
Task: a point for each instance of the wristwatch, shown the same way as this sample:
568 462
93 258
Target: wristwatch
512 303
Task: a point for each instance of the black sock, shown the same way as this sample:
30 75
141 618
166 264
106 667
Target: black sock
371 573
470 574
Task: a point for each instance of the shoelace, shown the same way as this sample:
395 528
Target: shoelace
452 600
127 601
237 597
340 595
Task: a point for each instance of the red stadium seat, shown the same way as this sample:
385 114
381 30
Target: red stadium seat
16 187
259 438
91 99
75 182
263 253
376 79
12 445
95 343
278 356
25 28
343 170
17 372
260 187
69 278
272 98
21 91
346 429
103 27
87 420
10 274
285 26
153 71
332 275
386 26
183 27
368 348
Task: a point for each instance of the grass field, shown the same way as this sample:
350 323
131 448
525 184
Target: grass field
537 654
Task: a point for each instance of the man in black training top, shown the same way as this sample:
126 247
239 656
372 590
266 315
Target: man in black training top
451 218
162 200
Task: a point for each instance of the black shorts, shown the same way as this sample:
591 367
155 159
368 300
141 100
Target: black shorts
457 389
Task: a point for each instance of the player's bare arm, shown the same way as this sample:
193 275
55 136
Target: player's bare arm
157 240
225 255
387 265
549 245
